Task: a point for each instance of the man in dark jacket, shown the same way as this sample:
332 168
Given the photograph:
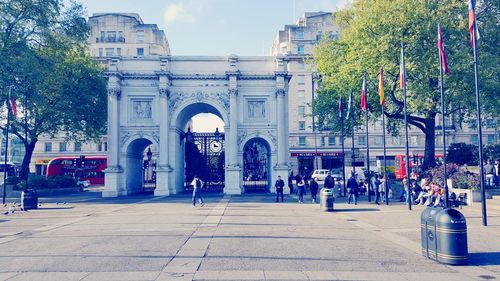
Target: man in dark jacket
329 182
279 188
352 186
314 189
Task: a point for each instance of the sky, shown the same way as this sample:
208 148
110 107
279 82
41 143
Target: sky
216 27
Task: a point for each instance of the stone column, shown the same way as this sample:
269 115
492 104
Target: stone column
114 172
233 178
163 169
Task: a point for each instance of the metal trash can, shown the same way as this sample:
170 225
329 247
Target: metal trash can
428 231
451 237
326 199
29 199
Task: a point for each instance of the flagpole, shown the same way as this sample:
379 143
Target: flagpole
479 129
6 149
342 141
407 149
367 142
441 88
385 159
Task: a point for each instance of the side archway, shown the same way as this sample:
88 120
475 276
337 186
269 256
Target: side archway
138 163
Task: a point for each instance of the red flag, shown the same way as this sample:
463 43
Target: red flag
13 106
472 19
442 54
402 71
363 95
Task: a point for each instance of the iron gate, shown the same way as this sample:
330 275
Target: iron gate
255 166
204 156
149 176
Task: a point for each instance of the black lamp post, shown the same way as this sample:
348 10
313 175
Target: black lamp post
187 135
149 154
217 134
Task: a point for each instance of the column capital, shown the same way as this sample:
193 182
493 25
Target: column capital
114 92
164 92
280 92
233 92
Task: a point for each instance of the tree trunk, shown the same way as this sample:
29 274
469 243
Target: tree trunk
430 144
23 174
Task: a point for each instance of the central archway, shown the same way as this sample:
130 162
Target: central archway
198 153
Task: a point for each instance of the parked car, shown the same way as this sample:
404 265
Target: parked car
320 174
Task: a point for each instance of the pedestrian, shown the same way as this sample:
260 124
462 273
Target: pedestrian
197 184
290 182
376 188
301 186
279 188
497 172
489 171
352 187
314 189
329 181
381 188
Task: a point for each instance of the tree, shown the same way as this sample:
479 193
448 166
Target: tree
492 152
371 34
58 87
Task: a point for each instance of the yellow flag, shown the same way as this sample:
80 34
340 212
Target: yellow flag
381 86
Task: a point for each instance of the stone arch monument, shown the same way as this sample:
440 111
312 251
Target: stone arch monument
151 100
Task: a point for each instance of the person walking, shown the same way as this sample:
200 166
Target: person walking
279 188
197 184
489 171
290 182
352 186
376 188
301 189
329 181
314 189
497 172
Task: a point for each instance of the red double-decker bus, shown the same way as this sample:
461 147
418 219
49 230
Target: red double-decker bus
415 161
83 168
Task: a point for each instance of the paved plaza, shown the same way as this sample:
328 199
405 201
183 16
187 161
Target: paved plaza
246 237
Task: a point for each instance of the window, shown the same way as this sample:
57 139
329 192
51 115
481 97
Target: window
302 110
302 141
491 139
396 140
302 125
105 146
120 36
78 146
299 34
140 51
331 140
414 140
48 147
300 49
361 140
300 80
119 51
110 52
140 36
62 147
379 140
103 34
101 52
99 146
319 35
323 141
111 36
473 139
301 93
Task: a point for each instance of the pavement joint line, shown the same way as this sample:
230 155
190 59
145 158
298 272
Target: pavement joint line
78 219
412 246
172 266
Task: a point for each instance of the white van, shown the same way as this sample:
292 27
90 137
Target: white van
320 174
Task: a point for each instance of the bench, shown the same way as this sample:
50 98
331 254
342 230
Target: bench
459 201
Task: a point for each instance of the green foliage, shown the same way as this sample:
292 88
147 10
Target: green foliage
42 182
58 87
460 176
461 154
492 151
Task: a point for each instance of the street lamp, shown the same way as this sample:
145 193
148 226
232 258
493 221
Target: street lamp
187 135
149 154
217 134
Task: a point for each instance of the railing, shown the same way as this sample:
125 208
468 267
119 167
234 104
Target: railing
109 39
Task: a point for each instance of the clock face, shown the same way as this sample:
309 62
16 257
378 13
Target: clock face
215 146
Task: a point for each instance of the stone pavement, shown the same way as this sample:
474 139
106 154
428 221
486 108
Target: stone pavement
248 237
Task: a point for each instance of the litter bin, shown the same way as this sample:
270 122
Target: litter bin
428 231
29 199
326 200
451 237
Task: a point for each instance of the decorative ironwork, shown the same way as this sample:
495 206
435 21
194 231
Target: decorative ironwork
149 175
256 166
204 156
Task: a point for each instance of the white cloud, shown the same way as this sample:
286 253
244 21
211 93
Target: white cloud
179 12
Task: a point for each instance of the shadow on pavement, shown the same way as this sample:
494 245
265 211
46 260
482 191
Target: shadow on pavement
355 210
478 259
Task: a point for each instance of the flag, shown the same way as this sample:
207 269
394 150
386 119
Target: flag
363 95
13 106
381 86
349 104
472 20
402 70
340 106
442 54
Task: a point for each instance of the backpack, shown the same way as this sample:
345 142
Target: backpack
198 183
